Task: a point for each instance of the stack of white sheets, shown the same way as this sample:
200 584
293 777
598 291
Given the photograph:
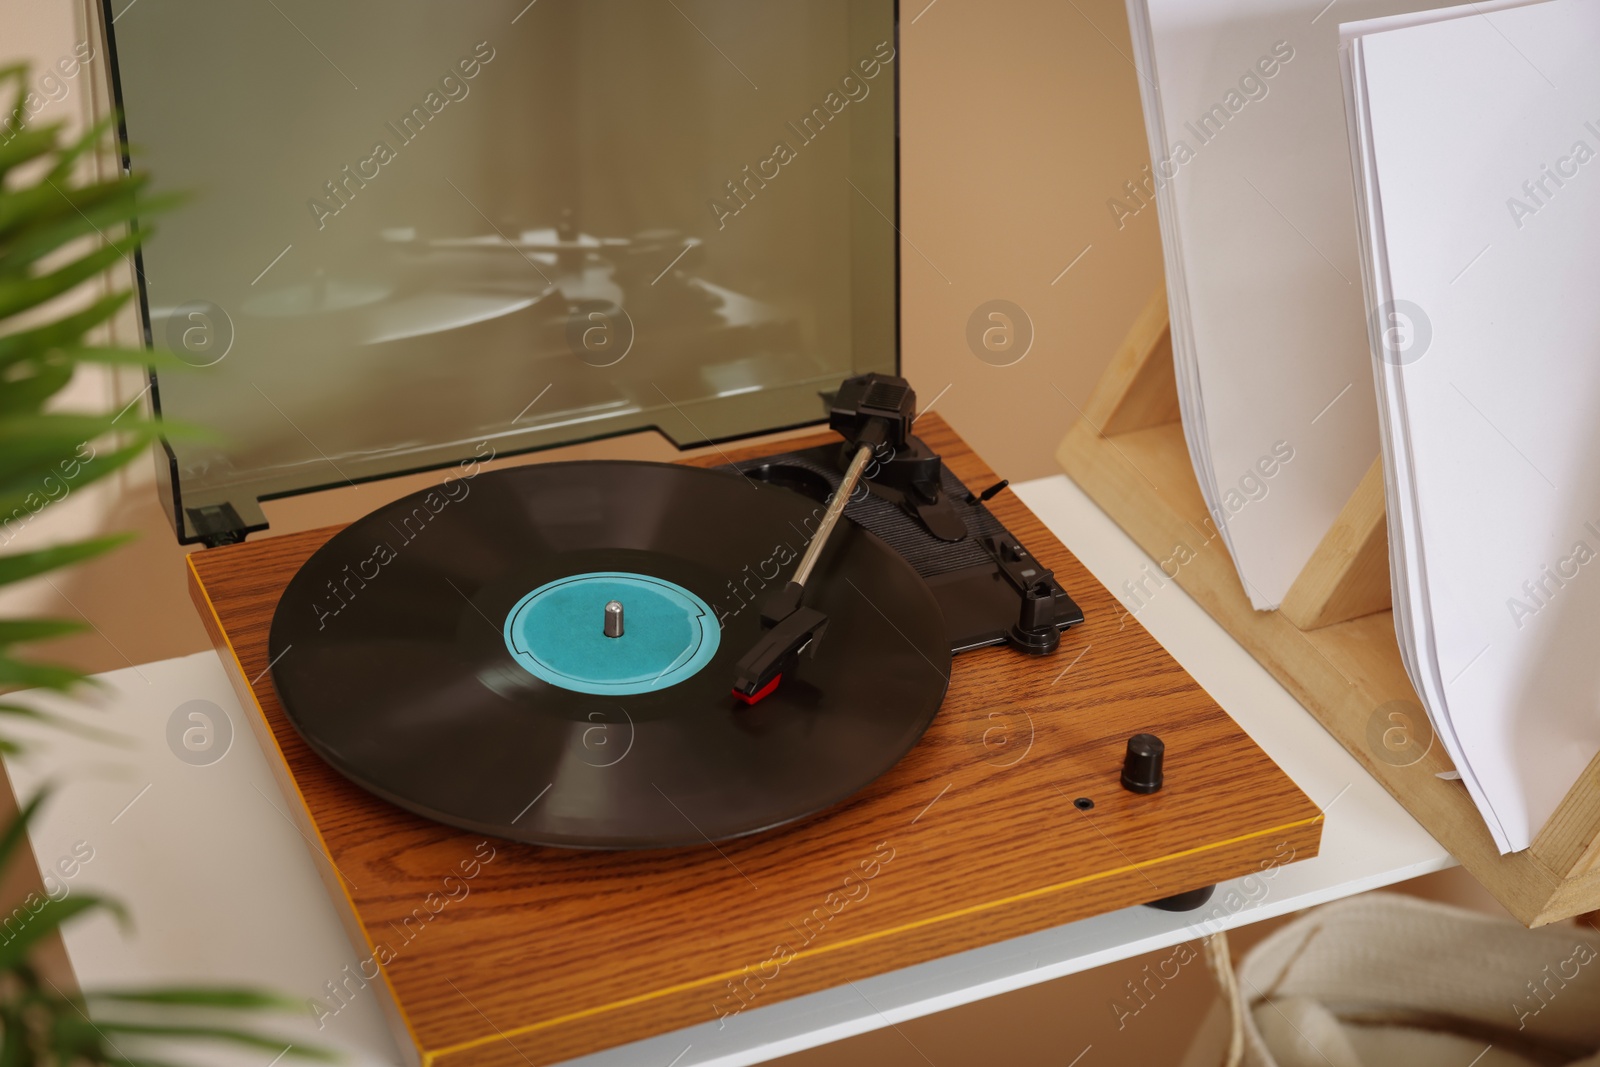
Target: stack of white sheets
1475 133
1385 234
1251 173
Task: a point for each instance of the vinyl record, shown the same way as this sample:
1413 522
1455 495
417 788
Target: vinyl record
447 652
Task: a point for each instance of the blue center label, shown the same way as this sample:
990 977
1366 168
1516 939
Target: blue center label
557 633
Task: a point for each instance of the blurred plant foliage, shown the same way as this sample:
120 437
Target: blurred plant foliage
60 233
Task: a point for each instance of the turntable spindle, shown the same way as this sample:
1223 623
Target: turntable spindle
614 618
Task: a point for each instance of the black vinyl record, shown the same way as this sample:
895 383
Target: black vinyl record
446 652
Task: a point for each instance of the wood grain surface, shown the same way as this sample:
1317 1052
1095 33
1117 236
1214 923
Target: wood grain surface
1348 575
1345 665
543 954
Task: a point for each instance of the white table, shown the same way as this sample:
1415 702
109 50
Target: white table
222 887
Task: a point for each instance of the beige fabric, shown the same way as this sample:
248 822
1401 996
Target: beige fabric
1383 980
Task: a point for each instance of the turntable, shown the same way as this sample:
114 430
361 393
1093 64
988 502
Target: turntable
592 751
594 867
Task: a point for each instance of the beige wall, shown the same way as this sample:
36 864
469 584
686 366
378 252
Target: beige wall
1020 119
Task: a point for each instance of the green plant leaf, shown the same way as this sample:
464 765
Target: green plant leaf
159 358
49 453
71 215
28 393
40 205
16 631
92 137
44 454
15 674
19 824
32 444
20 294
22 711
25 248
218 1033
112 212
13 1040
61 333
22 565
221 997
30 494
51 914
30 144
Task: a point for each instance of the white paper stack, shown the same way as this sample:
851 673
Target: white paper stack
1476 138
1250 170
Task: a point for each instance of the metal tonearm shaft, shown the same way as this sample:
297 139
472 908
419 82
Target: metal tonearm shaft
869 412
830 518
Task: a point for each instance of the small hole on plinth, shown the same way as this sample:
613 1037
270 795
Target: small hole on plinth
1083 803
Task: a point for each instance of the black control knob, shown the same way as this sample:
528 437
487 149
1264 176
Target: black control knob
1141 767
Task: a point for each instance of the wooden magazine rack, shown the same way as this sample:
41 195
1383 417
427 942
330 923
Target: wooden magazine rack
1332 643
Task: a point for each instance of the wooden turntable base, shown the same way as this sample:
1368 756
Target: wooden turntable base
494 953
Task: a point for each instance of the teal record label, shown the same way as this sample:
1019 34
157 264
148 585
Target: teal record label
557 633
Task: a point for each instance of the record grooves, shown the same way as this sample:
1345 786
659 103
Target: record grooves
441 661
